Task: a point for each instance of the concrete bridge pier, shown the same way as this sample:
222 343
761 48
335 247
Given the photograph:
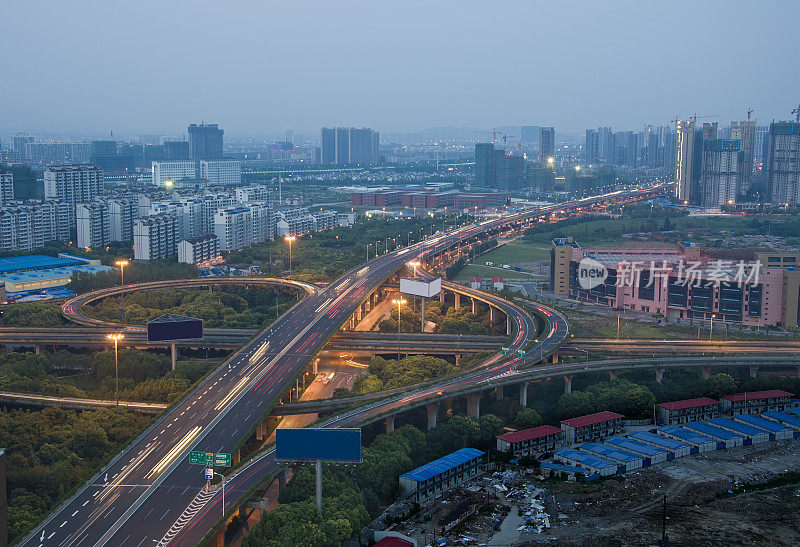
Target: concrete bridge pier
659 375
523 394
458 357
433 413
389 424
422 316
315 366
457 300
261 430
612 375
753 372
554 358
283 474
498 393
441 296
474 405
509 325
491 315
706 373
568 383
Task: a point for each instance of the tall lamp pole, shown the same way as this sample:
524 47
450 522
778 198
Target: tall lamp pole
290 239
399 302
711 330
116 337
122 264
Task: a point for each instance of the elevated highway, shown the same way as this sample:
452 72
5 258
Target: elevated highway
76 403
152 477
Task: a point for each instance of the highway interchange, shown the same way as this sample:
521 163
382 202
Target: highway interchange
144 494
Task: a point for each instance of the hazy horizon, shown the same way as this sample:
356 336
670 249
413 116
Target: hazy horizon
89 68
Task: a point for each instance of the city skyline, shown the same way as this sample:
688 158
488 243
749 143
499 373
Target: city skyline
426 66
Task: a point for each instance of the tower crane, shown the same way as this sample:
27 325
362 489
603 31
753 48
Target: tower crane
749 111
796 113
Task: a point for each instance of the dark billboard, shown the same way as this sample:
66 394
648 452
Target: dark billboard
174 327
341 445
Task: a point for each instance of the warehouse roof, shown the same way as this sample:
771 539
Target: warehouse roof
712 430
738 427
35 262
688 403
686 434
784 417
660 440
610 451
635 446
762 423
590 419
585 458
757 395
528 434
795 410
562 467
443 464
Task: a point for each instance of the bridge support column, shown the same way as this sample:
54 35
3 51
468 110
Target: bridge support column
706 373
612 375
433 413
261 430
509 326
315 366
236 457
458 358
523 394
498 393
173 354
282 476
38 349
659 375
219 538
474 405
389 424
753 372
457 299
441 296
422 316
554 357
568 383
491 314
474 306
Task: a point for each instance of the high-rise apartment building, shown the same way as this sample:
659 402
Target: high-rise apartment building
720 175
205 142
31 225
6 188
50 153
155 237
221 172
94 225
745 133
248 194
547 143
529 134
18 143
344 145
234 228
591 152
484 165
122 211
710 130
73 184
783 163
199 250
605 143
684 161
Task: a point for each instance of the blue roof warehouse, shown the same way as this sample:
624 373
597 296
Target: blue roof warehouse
38 272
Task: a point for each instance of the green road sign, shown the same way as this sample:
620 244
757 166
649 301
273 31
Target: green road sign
197 458
505 351
222 459
521 353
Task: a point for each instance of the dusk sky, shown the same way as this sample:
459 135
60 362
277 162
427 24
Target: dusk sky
257 68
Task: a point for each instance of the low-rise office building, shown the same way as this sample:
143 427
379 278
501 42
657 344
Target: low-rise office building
531 442
785 418
628 461
427 481
698 443
650 455
750 434
688 410
593 427
594 465
675 448
776 431
724 437
756 402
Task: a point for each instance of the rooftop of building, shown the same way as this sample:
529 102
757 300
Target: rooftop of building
711 430
688 403
757 395
51 274
24 263
443 464
590 419
585 458
737 427
635 446
761 423
610 451
528 434
660 440
686 434
784 417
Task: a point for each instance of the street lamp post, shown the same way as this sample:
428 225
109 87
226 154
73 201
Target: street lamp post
223 492
290 239
116 337
368 246
399 302
711 330
122 264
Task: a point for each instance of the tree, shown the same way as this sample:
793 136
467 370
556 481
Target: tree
720 384
490 427
527 418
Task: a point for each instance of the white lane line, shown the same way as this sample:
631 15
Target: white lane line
62 524
95 494
84 503
51 535
73 514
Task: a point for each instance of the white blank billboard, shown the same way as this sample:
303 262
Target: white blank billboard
425 289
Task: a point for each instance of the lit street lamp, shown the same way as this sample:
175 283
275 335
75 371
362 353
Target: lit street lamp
122 264
711 330
290 239
116 337
399 302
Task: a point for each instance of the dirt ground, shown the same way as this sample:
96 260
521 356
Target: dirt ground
627 509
